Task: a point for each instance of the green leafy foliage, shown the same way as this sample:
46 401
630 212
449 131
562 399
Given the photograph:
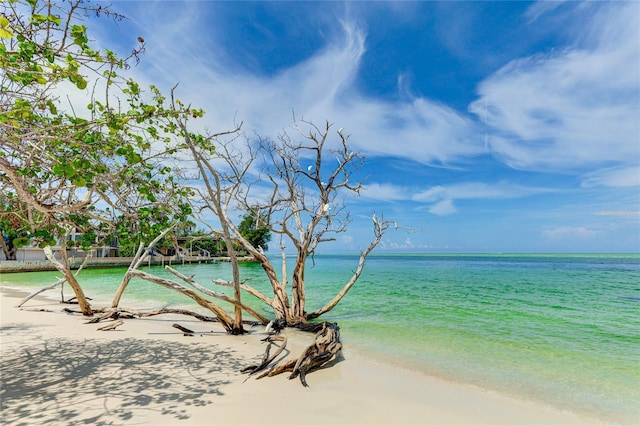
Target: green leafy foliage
5 32
101 173
253 228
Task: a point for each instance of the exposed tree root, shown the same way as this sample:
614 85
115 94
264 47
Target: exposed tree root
325 347
266 358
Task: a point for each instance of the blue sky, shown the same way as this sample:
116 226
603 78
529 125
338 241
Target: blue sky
487 126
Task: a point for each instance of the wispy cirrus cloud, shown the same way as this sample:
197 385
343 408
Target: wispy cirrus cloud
440 198
477 190
540 8
322 86
562 232
620 176
443 207
406 244
570 109
573 108
385 192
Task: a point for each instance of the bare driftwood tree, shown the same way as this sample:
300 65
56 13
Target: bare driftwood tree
307 181
298 188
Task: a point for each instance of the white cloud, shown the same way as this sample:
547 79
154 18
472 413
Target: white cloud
407 244
421 130
570 232
572 108
320 87
432 194
347 241
477 190
563 109
443 208
622 176
539 8
384 192
441 197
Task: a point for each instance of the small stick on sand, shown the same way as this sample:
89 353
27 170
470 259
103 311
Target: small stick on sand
185 330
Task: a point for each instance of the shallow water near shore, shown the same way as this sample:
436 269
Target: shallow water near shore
557 329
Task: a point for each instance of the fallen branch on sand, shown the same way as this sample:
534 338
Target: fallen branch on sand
115 313
60 281
185 330
35 293
111 326
37 310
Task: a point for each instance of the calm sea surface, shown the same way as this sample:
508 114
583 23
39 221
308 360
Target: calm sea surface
563 330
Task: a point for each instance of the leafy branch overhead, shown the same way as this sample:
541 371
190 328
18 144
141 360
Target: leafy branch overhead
100 168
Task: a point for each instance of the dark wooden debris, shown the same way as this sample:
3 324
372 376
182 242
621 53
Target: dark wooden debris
185 330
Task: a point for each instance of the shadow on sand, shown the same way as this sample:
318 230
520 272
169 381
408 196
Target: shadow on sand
64 381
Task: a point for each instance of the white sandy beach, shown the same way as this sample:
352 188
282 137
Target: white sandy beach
57 370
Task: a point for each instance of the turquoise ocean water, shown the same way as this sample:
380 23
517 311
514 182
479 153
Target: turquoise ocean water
563 330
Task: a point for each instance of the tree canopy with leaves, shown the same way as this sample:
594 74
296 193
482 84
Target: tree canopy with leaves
254 229
95 168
